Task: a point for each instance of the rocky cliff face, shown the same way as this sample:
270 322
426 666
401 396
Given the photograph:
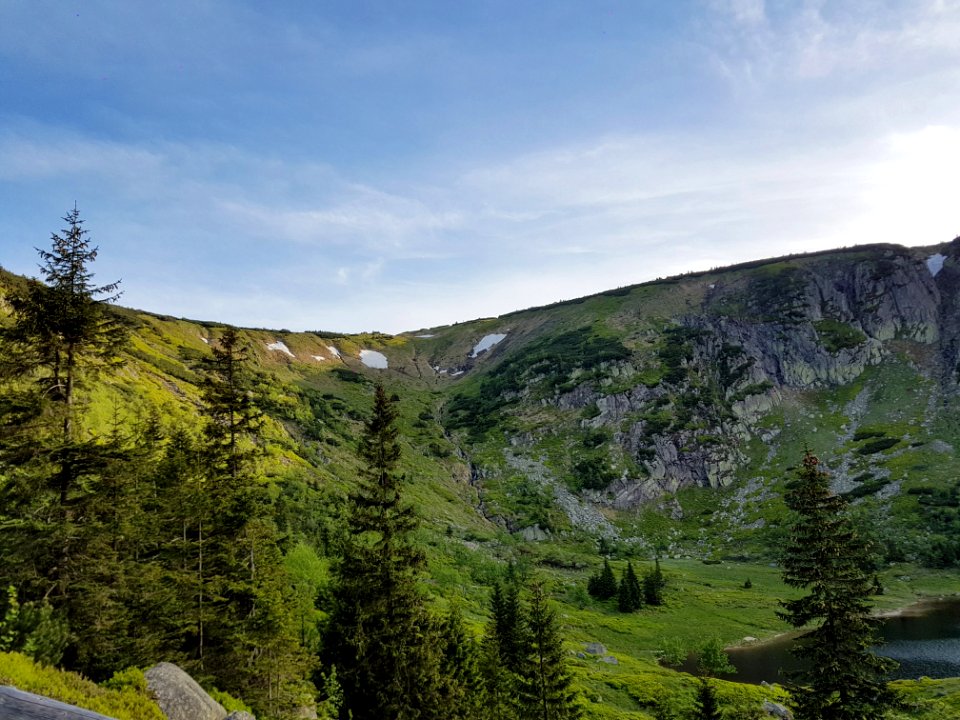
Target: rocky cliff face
755 334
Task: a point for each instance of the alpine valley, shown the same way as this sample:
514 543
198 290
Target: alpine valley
656 421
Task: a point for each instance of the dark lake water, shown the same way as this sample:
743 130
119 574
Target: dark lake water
925 641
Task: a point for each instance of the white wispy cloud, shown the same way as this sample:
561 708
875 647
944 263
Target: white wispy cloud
833 126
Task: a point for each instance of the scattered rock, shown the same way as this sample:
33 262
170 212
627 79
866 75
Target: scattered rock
609 660
596 648
749 638
777 710
179 696
941 447
240 715
534 533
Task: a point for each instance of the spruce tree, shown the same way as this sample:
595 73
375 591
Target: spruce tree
379 634
546 690
245 638
630 596
707 707
603 585
825 556
509 625
654 584
460 692
52 519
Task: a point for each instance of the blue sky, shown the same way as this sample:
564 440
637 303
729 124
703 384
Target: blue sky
395 165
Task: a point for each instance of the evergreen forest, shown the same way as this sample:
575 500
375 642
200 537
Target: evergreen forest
578 519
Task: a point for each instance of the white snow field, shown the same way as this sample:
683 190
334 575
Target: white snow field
487 342
373 359
280 346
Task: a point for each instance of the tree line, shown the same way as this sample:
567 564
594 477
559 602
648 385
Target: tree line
145 542
149 542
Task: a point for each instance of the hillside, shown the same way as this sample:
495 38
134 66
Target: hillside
661 418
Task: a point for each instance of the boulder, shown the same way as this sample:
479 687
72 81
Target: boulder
609 660
777 710
240 715
21 705
596 648
179 696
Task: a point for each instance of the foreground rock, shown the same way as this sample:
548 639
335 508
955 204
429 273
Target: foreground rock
16 703
180 697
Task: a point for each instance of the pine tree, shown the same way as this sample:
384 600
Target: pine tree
379 635
603 585
546 686
509 625
707 707
460 693
61 334
245 638
654 584
826 557
630 596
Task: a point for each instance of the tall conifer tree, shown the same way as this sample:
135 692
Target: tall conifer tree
52 521
379 634
245 638
826 557
546 687
630 596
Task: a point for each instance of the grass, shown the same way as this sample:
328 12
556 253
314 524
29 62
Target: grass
128 702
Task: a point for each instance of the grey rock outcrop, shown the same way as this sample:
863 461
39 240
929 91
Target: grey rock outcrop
179 696
777 710
240 715
16 704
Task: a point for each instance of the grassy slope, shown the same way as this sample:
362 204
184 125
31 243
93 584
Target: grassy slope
467 551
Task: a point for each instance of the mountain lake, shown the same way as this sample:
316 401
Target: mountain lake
924 638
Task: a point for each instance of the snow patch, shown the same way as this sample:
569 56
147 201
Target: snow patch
333 351
373 359
487 342
458 372
935 263
280 346
205 340
428 335
318 358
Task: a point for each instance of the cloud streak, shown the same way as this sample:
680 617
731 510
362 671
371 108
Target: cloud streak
818 129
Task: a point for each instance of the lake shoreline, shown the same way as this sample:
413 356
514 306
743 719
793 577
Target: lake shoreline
917 608
923 637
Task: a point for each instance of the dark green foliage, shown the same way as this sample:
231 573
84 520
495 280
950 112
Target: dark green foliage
676 350
868 487
747 584
460 692
547 362
242 589
546 691
592 471
867 434
379 636
879 445
654 584
712 659
629 594
837 336
32 629
509 625
826 557
776 293
603 585
707 707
